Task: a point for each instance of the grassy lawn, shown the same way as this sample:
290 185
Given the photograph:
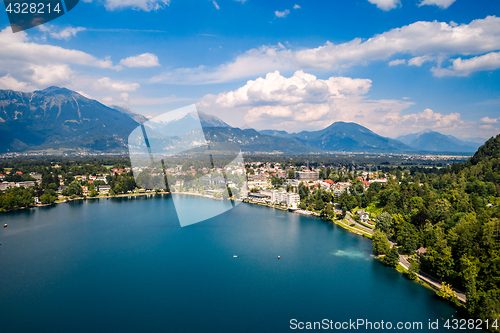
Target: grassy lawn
344 224
367 225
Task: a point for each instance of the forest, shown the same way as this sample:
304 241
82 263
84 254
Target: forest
454 214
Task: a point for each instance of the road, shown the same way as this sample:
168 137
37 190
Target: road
360 226
430 280
427 278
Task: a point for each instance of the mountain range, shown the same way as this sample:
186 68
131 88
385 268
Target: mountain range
429 140
58 118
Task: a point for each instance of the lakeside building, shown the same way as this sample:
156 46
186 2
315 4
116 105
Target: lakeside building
258 196
4 186
259 177
307 175
103 189
290 199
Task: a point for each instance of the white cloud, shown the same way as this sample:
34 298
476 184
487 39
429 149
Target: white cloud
386 4
146 5
282 14
65 33
52 74
8 82
143 60
18 47
488 120
427 119
430 40
418 61
304 102
251 63
397 62
28 65
300 102
114 85
215 4
464 67
440 3
296 6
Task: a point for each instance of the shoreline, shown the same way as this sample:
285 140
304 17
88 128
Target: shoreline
341 224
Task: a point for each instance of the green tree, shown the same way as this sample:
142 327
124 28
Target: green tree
392 257
47 198
383 222
380 243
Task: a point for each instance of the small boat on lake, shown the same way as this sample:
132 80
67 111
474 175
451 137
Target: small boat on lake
5 225
235 256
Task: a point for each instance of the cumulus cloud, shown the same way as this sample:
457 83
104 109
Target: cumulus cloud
10 83
464 67
114 85
424 41
304 102
386 4
397 62
143 60
282 14
55 32
299 102
427 119
440 3
296 6
215 4
488 120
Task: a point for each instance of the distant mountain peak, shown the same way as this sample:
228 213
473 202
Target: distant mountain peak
58 118
208 120
429 140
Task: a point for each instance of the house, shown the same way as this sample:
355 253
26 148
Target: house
307 175
37 176
363 216
25 184
215 180
61 188
4 186
258 196
259 177
290 199
421 251
103 189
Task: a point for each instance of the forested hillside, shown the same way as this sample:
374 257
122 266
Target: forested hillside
455 214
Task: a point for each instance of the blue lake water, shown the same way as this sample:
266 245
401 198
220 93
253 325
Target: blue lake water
125 265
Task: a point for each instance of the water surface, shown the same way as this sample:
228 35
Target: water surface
125 265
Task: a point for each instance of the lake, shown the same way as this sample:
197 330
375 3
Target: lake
125 265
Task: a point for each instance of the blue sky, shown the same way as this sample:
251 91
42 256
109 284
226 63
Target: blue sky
394 66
